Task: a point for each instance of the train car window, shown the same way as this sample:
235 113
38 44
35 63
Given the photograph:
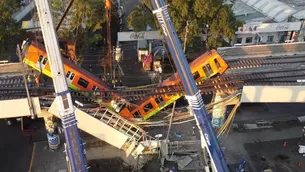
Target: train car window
217 63
122 107
44 61
40 58
159 100
82 82
196 75
94 87
207 70
148 107
68 74
72 76
137 114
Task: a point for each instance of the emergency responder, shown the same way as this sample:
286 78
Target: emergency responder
29 81
36 80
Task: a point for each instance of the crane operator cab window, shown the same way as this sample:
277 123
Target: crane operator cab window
82 82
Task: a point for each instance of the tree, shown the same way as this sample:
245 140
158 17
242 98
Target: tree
218 19
9 29
212 18
83 23
141 17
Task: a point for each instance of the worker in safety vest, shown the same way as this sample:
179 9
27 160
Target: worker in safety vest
36 80
29 81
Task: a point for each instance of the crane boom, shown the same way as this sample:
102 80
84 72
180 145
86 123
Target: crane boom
74 146
207 133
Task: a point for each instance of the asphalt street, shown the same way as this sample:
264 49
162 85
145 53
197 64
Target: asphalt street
16 149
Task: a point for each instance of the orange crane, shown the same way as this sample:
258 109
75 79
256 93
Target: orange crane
107 63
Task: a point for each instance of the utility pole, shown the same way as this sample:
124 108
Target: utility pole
171 121
209 140
185 35
74 146
26 84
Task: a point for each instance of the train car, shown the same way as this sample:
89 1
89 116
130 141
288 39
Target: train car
204 67
77 78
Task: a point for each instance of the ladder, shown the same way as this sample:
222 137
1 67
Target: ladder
135 134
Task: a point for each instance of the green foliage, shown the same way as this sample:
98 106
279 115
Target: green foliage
139 18
85 16
211 16
8 26
83 23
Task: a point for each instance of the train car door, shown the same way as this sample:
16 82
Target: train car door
41 62
69 77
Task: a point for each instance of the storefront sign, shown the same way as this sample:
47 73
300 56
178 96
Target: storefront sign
269 27
135 36
282 27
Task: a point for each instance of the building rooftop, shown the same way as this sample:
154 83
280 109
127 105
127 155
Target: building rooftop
253 11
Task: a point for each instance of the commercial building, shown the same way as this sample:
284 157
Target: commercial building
269 21
267 33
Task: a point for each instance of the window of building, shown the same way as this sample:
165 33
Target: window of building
148 107
72 76
68 74
137 114
44 61
239 40
270 38
196 75
82 82
249 40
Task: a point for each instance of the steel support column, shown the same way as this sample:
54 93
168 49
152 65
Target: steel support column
74 145
207 132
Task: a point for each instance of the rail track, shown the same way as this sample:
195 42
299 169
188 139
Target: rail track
264 62
12 88
226 83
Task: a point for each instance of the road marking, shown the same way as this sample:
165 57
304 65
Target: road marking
32 158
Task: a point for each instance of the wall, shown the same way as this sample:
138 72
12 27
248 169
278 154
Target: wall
8 107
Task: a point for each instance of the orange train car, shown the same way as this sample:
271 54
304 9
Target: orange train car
67 48
77 78
204 67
